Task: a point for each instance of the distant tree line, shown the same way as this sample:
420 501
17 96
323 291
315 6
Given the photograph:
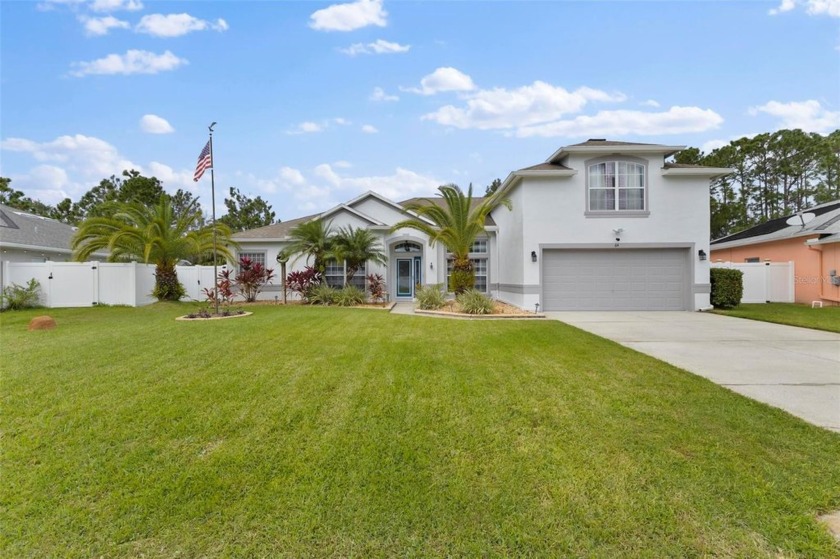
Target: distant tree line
243 212
776 174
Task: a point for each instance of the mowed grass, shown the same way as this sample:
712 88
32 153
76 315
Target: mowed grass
312 432
792 314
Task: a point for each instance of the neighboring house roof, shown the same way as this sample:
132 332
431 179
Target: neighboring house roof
19 229
826 223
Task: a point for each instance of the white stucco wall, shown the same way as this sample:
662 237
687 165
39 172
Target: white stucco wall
551 211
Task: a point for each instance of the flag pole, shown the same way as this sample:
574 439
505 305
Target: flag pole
213 202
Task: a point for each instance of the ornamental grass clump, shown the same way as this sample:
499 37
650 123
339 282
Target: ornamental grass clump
430 297
475 302
349 296
321 294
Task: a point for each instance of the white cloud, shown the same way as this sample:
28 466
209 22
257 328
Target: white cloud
369 129
347 17
176 25
377 47
50 5
132 62
153 124
711 145
324 186
115 5
808 115
785 6
98 26
71 164
443 79
379 94
830 8
308 127
342 121
676 120
650 103
172 179
292 176
500 108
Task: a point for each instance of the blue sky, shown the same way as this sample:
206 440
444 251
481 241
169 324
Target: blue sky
317 102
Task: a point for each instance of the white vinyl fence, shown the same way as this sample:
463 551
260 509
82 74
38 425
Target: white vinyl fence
764 282
85 284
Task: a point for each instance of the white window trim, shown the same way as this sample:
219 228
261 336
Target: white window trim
613 213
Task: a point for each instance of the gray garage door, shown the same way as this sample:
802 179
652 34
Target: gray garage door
619 280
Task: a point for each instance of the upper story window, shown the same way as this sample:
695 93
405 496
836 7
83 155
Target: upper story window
479 246
616 186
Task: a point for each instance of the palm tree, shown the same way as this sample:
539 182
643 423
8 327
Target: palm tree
456 223
152 234
312 238
355 247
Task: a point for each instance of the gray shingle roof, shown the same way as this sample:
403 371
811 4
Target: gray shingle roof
274 231
546 167
22 228
597 142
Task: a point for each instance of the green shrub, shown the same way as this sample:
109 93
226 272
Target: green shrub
727 287
321 294
475 302
16 297
349 296
430 297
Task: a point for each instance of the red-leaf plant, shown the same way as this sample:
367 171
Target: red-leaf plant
252 277
376 287
302 281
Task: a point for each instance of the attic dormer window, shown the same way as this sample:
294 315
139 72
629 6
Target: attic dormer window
616 186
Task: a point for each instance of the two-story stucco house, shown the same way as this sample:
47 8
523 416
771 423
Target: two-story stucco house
600 225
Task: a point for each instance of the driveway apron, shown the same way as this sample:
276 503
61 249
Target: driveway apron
795 369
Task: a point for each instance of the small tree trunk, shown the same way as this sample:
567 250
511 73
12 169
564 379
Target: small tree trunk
167 286
463 277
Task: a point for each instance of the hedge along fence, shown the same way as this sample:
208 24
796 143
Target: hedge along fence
727 287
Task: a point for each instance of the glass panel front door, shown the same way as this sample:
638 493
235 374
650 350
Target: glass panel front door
405 283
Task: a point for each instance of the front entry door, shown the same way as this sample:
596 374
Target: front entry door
405 279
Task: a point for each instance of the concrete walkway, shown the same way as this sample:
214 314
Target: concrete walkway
795 369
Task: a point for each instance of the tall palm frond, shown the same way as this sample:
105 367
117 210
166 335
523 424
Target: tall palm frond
355 246
151 234
455 223
312 238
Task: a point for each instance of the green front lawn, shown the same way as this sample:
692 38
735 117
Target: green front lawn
792 314
355 433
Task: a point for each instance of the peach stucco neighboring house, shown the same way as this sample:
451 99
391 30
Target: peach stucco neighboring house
813 247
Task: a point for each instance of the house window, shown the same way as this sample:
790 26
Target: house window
752 260
479 269
616 186
479 246
256 257
359 279
336 272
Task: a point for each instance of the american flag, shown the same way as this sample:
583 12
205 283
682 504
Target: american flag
205 161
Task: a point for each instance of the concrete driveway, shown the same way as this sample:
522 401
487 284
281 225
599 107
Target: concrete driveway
795 369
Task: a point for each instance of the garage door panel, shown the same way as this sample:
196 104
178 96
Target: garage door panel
643 279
